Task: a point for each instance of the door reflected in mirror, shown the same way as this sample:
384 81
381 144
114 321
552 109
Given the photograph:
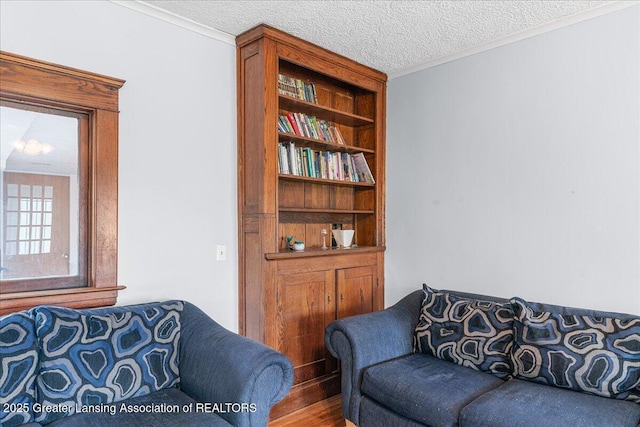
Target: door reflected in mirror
41 197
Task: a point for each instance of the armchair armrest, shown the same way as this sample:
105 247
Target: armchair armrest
365 340
219 366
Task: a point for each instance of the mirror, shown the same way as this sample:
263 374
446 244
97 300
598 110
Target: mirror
40 191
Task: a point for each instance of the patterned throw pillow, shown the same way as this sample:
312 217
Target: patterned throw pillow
577 350
472 333
101 356
18 368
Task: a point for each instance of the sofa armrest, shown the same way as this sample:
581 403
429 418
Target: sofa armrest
365 340
220 367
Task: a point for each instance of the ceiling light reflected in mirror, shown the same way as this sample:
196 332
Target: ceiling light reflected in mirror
33 147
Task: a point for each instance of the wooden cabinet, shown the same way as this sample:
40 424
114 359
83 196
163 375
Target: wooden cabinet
310 294
286 297
306 303
355 290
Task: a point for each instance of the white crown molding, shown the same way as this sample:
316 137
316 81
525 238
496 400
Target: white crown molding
563 22
180 21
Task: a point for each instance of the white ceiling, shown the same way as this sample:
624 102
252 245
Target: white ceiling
395 37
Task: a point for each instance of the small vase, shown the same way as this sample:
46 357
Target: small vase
343 237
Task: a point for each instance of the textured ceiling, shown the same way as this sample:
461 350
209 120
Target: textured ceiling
390 36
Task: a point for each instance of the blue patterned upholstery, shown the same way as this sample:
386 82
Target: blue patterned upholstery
577 350
18 368
473 333
92 357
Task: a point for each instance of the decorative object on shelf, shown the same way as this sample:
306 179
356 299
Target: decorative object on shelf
343 237
324 238
296 245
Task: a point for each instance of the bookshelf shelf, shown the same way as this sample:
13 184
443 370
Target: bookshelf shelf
316 252
289 90
329 211
321 145
325 181
326 113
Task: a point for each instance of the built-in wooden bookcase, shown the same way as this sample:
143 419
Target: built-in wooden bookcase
288 297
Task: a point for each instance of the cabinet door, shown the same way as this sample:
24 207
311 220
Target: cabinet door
306 305
355 290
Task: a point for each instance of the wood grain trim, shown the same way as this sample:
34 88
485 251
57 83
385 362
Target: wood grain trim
103 254
314 252
55 68
306 47
33 79
73 298
40 83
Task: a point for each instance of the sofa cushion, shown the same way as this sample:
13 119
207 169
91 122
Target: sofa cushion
18 371
473 333
169 408
577 349
100 356
373 414
527 404
426 389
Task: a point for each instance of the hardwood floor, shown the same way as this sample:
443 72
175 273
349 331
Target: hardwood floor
327 413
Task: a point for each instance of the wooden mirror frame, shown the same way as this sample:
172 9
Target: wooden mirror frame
34 82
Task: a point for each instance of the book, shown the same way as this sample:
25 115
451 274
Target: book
362 168
293 123
293 167
297 88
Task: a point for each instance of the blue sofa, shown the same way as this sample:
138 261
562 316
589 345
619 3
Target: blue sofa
158 364
400 366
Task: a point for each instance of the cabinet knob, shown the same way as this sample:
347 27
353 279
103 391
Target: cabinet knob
341 296
329 297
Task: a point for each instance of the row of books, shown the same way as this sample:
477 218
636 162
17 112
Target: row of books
308 126
297 88
303 161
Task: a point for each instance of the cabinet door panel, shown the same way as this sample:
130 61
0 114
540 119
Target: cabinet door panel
355 290
306 306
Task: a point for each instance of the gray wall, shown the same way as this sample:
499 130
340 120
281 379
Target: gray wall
516 171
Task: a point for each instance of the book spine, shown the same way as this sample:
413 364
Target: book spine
297 88
356 176
292 159
294 124
313 93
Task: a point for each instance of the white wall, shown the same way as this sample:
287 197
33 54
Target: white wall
516 171
177 178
